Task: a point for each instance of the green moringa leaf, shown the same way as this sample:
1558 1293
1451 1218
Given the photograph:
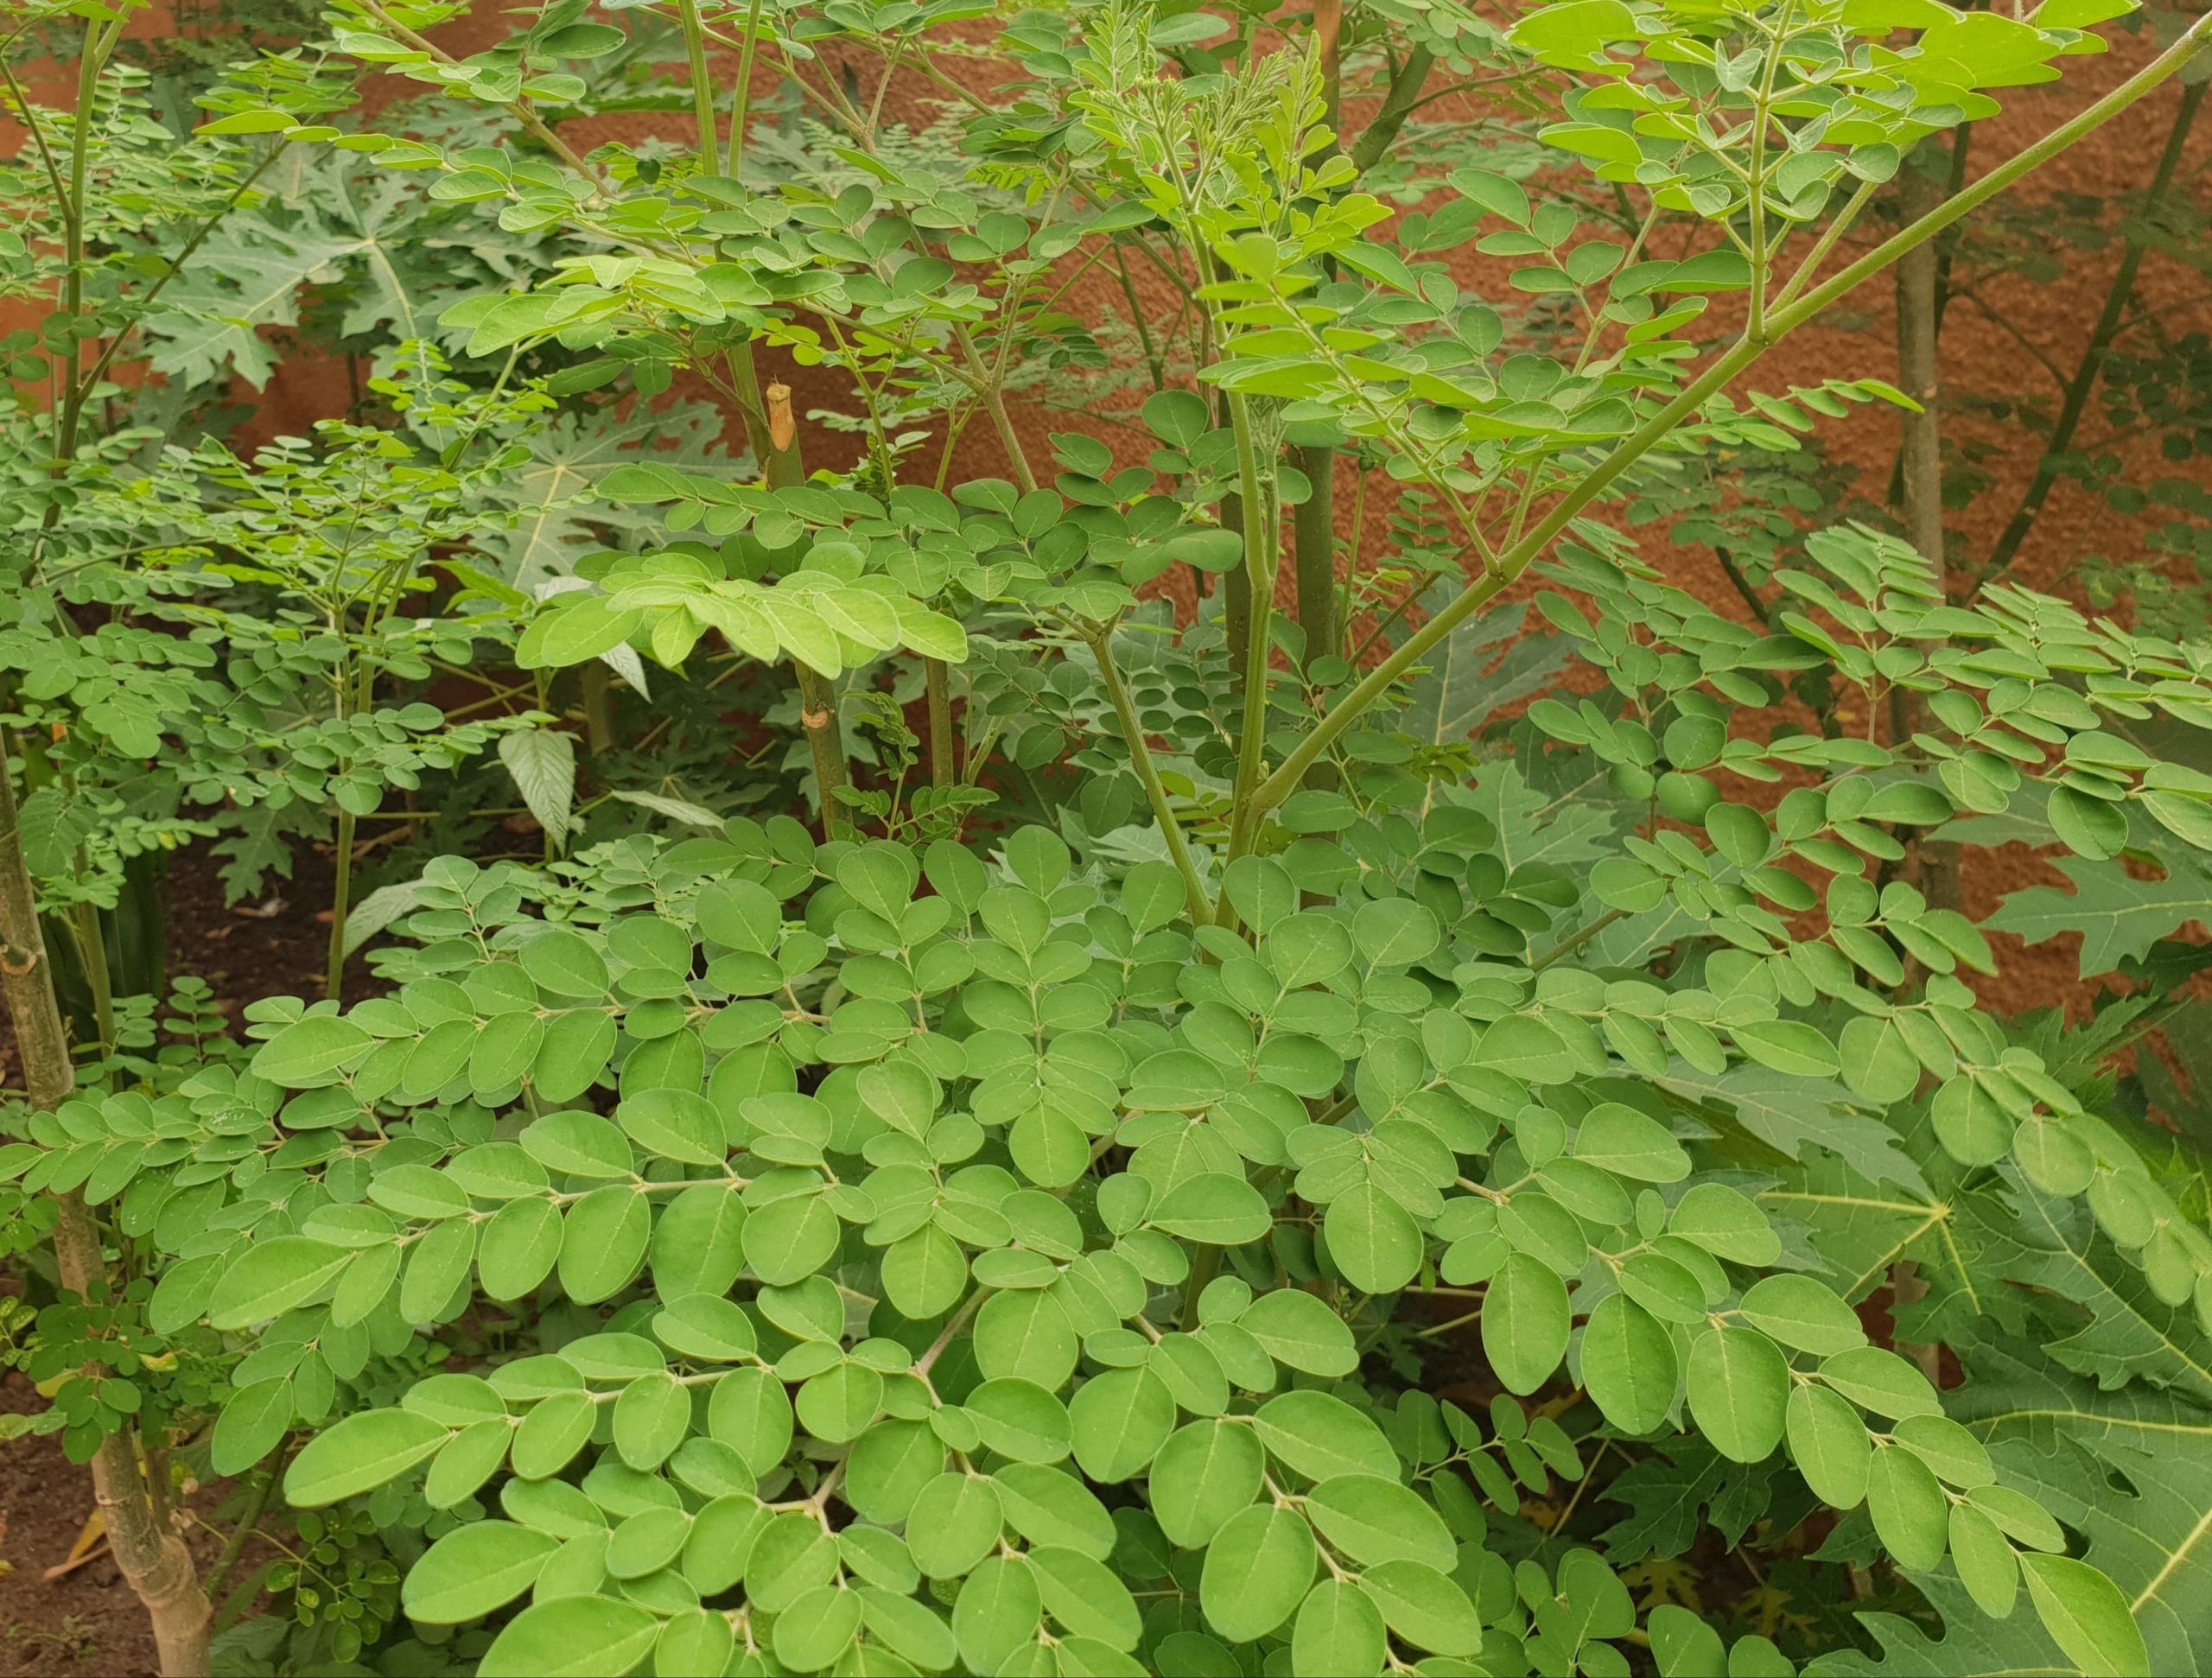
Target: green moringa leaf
1525 1323
361 1452
1257 1571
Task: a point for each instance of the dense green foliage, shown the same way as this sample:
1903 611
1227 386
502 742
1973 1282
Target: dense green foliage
1395 1133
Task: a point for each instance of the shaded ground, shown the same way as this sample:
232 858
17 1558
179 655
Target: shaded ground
87 1622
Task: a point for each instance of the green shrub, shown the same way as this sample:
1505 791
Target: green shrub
1029 1232
891 1233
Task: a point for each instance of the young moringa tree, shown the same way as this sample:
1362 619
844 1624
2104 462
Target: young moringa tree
132 1504
96 238
140 696
104 211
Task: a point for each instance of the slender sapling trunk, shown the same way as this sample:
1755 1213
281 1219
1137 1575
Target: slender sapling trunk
152 1558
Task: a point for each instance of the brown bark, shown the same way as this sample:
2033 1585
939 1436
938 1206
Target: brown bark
42 1040
151 1557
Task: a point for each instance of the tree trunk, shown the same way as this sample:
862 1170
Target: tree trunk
1235 603
41 1039
944 757
152 1559
817 693
825 741
1313 530
1314 523
1919 377
598 708
1935 864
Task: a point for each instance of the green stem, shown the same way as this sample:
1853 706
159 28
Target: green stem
1947 246
1152 357
1929 863
989 388
28 114
1808 269
825 739
1313 535
1204 1268
97 44
235 1546
703 89
341 892
1155 790
944 768
1762 110
356 696
1313 530
741 96
1236 587
598 708
1260 580
1351 561
1397 105
1781 321
1569 946
92 944
775 442
81 386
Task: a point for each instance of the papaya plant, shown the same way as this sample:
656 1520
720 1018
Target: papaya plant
104 210
1309 1107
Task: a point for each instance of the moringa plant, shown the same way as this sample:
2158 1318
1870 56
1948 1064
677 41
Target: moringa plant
1255 1211
141 714
104 210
